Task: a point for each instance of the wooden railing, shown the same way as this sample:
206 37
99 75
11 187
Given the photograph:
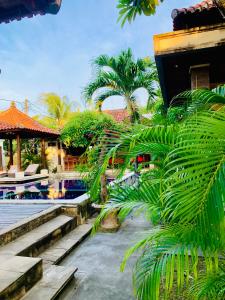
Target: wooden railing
71 162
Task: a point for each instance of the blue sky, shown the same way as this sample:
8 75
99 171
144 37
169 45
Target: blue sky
54 53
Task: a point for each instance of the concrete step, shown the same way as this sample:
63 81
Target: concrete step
60 249
18 275
37 240
18 229
54 280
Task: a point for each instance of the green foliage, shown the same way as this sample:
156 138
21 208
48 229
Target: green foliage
30 152
86 127
187 104
184 194
121 76
129 9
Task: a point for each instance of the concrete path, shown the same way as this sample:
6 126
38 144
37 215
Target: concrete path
98 260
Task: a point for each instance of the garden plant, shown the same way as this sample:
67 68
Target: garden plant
182 256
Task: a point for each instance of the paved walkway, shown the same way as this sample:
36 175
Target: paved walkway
12 213
98 260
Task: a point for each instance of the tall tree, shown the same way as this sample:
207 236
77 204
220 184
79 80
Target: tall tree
59 109
122 75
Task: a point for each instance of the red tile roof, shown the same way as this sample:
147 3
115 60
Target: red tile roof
201 14
5 126
119 115
14 119
17 9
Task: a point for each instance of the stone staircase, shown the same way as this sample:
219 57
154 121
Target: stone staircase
30 251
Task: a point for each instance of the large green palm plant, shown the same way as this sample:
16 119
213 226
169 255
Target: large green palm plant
184 195
122 76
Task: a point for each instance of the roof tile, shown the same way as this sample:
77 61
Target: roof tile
13 118
11 10
201 14
119 115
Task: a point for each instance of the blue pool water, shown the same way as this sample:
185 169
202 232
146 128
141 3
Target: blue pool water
46 189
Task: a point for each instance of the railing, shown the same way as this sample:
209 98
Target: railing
71 162
128 179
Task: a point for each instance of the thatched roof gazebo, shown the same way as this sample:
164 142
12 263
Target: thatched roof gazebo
11 10
14 124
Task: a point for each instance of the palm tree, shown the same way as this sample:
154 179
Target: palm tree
129 9
59 109
122 76
184 196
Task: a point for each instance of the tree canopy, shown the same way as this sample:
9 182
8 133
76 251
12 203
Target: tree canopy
85 127
59 110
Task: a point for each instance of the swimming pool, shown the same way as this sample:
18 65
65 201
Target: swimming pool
48 189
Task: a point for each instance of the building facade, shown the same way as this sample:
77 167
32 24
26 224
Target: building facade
192 56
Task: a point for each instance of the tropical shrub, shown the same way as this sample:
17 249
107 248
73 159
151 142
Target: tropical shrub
183 196
86 127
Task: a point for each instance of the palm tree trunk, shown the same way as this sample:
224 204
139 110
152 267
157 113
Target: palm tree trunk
100 108
134 119
103 179
134 114
104 191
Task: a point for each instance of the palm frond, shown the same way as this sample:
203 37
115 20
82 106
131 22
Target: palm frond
197 165
122 73
104 80
220 90
210 286
199 100
158 139
129 9
101 97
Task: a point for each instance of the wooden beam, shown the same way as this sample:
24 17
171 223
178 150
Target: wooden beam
10 152
18 141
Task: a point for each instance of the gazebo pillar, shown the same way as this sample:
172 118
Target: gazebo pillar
18 141
1 163
59 167
10 152
43 157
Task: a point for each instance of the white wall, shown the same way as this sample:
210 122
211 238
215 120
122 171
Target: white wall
3 154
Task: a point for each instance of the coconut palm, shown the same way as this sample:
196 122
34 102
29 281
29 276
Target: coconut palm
184 195
122 76
59 109
129 9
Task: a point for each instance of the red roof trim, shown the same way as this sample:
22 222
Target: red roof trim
16 10
201 14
